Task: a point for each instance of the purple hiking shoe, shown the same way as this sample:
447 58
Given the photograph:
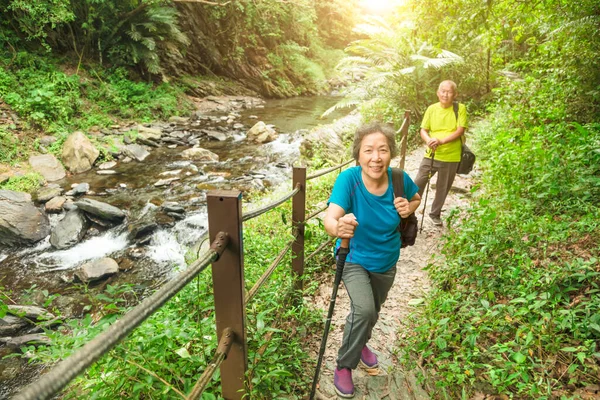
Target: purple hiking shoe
368 359
342 380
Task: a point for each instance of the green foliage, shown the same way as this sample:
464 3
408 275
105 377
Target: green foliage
25 183
10 149
46 97
131 33
514 309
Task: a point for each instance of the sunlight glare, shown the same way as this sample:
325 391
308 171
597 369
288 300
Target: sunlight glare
380 6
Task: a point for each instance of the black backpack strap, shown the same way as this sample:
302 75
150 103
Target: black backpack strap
455 107
398 182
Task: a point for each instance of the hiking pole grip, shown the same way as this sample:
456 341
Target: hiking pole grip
342 253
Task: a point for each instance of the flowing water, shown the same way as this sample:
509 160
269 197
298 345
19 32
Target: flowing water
32 273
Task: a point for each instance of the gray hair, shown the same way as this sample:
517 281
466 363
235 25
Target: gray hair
374 127
454 87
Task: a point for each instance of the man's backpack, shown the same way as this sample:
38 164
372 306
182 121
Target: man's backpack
467 158
408 226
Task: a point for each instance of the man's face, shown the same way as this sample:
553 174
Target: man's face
446 95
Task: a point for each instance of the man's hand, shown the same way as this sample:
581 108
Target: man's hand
402 206
346 226
433 143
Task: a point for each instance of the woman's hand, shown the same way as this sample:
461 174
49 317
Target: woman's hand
402 207
346 226
433 143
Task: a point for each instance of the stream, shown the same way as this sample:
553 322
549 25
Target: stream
31 274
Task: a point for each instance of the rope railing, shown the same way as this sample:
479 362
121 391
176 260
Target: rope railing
64 372
318 249
328 170
268 272
220 356
256 213
314 214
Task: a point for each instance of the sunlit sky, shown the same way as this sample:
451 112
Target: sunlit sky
380 6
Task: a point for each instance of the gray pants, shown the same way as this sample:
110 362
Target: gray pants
446 173
367 292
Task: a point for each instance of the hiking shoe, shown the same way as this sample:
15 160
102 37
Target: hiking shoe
368 359
342 380
437 221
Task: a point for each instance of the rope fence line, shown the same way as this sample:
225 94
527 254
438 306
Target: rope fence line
318 249
268 272
268 207
64 372
220 355
328 170
311 216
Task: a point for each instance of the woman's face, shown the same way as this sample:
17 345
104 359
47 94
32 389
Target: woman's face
374 156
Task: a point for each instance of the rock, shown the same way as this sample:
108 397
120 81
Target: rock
179 120
100 209
136 151
20 221
166 182
149 133
47 141
47 192
69 231
261 133
97 269
48 166
55 205
79 154
34 338
216 135
199 154
106 172
107 165
9 325
30 312
81 188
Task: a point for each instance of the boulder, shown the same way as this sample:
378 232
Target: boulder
149 133
20 221
261 133
136 151
100 209
69 231
55 205
47 193
97 269
48 166
199 154
79 154
30 312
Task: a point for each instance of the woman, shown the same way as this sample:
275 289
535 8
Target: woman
362 207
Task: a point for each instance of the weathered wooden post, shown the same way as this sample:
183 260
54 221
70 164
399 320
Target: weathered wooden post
298 217
225 215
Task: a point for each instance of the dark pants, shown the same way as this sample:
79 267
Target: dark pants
446 173
367 292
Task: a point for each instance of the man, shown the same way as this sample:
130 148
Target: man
443 133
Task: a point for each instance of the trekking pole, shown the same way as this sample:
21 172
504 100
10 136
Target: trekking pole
427 190
339 269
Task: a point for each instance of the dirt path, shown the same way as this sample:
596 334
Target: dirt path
411 283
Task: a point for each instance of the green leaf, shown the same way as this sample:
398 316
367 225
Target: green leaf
415 302
519 358
569 349
183 353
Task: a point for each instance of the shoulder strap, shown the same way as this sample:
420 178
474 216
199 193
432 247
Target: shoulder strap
455 107
398 182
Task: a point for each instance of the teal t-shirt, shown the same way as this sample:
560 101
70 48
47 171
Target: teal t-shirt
376 242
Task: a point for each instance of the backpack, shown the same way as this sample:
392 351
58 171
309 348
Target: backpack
467 158
408 226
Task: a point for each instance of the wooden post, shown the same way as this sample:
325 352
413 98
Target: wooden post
225 215
404 131
298 216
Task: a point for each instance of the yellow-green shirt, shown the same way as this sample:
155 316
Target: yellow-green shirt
441 123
